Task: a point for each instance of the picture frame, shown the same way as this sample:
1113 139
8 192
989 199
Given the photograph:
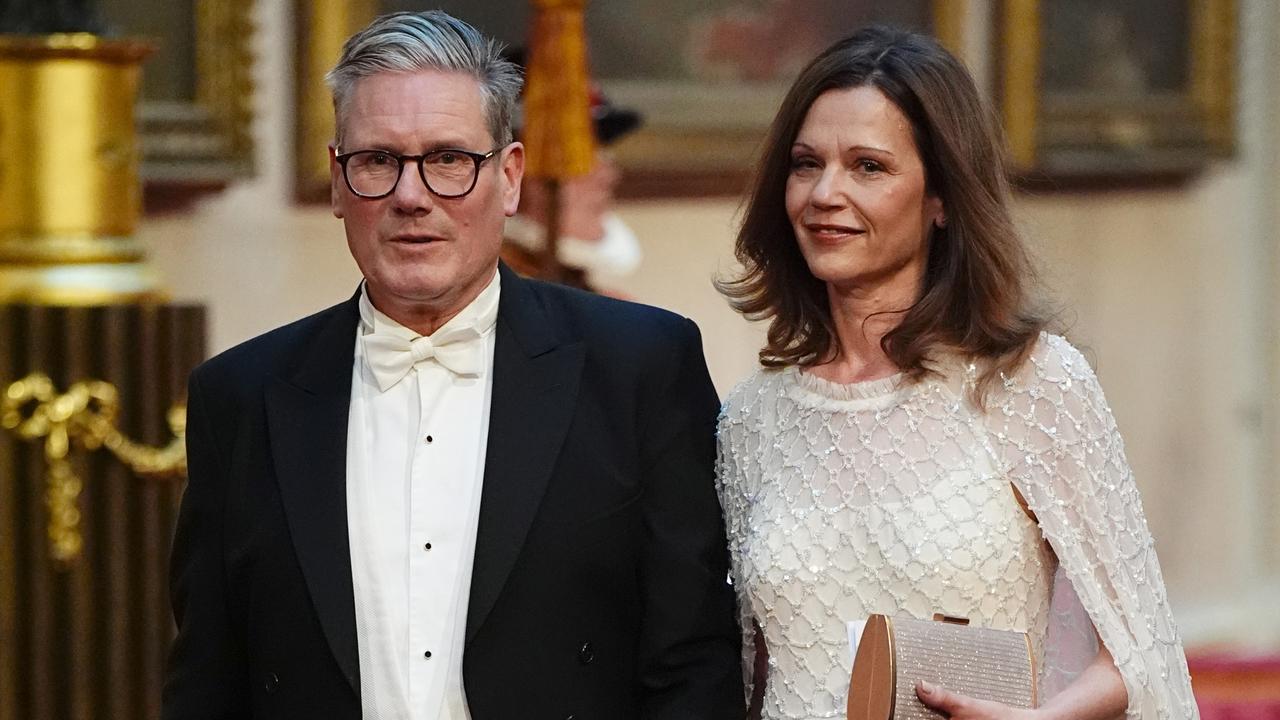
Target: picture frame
320 29
195 109
701 129
1117 91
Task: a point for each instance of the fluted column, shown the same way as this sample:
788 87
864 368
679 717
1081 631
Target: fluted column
85 636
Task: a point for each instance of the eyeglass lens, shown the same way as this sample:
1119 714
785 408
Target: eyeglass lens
447 172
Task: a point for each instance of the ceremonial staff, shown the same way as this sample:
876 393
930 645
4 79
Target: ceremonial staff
559 143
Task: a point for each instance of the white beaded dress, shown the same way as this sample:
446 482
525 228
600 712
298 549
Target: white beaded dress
896 497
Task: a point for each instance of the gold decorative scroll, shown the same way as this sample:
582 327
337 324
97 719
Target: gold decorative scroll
86 415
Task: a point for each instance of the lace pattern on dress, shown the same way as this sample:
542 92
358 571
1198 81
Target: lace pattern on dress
894 497
1059 443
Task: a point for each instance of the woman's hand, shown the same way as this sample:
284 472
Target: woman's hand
960 707
1098 693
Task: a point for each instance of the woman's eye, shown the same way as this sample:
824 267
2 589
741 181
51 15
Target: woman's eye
869 166
803 163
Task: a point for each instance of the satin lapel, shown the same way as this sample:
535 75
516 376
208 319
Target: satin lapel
307 420
535 388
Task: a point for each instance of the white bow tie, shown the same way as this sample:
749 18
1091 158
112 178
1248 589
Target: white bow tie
391 357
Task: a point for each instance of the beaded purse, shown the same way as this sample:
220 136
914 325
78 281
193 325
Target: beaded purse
896 652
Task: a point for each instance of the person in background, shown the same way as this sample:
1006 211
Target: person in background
460 494
917 443
595 246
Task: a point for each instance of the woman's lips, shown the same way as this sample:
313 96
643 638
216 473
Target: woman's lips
827 231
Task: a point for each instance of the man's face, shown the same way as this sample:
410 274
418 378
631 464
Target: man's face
423 255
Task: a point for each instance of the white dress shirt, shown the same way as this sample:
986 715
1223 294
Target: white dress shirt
415 464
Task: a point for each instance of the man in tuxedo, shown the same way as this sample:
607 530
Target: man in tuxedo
459 494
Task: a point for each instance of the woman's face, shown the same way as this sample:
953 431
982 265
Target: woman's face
856 193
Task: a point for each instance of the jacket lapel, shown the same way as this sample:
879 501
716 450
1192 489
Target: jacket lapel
307 420
535 388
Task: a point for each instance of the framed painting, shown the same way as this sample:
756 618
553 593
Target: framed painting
1117 90
195 111
707 77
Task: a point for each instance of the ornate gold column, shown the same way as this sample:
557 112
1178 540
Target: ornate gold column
93 367
84 616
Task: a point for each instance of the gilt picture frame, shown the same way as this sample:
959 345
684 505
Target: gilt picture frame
195 110
1117 91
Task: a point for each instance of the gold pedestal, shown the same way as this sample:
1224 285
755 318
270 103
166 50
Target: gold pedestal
69 191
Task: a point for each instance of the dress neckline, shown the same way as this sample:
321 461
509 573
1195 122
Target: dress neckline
860 390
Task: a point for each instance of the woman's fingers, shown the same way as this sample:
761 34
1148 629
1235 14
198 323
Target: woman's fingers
962 707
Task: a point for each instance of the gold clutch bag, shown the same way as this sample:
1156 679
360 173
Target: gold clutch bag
896 652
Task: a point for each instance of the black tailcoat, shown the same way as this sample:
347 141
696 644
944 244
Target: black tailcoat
599 580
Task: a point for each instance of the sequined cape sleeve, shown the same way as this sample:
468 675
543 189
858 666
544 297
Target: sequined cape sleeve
1059 443
736 454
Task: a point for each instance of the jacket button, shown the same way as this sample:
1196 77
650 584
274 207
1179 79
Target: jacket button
272 683
586 654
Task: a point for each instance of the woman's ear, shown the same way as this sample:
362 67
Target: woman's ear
939 211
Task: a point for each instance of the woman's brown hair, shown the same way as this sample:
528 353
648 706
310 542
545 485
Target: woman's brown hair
976 297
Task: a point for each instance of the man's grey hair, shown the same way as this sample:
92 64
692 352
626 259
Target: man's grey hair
431 40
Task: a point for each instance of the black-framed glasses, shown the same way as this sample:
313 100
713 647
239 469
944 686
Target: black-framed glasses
447 172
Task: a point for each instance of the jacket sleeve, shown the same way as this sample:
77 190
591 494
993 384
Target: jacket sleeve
690 645
206 676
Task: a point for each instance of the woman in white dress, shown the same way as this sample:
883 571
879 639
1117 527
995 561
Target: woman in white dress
916 442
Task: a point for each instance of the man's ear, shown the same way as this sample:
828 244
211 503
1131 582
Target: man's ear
513 175
335 182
